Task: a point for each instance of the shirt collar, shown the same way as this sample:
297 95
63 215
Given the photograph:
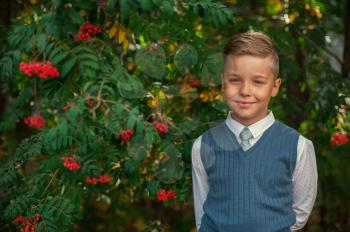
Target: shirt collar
257 128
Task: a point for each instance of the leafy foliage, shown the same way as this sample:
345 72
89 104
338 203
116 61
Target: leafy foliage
139 70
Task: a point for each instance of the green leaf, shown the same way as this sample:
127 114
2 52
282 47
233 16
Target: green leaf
89 72
132 119
171 167
86 5
28 147
130 88
91 169
87 57
41 41
18 206
131 165
152 61
168 7
91 64
75 16
61 56
152 32
24 96
153 187
117 74
137 151
146 5
221 18
111 5
67 67
212 69
52 50
46 225
185 58
58 137
58 210
7 174
51 163
124 10
72 115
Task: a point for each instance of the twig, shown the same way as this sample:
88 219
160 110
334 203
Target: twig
332 54
49 184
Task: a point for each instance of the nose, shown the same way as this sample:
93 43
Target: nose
245 89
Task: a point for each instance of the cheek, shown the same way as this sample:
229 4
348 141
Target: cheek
263 95
229 92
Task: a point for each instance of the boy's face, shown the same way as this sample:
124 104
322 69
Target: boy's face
249 83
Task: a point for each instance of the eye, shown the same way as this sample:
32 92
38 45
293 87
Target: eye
234 80
259 82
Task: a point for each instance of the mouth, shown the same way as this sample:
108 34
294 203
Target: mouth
244 104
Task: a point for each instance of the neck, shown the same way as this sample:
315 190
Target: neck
248 122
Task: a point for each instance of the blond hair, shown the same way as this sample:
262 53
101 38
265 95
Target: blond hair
255 44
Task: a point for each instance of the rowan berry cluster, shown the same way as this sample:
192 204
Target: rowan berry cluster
101 179
86 30
70 163
164 195
90 103
28 224
126 135
192 81
42 70
339 138
34 121
162 128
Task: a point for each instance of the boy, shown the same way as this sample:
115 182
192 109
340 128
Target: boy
251 172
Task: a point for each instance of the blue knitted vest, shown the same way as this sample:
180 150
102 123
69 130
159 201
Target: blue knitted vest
249 191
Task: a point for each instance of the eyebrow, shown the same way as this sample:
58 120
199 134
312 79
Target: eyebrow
236 75
260 76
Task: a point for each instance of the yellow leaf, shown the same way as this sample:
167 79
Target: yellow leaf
112 31
171 47
122 35
307 6
152 103
83 13
125 45
130 66
292 17
318 12
161 95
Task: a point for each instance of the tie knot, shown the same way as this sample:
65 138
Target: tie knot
245 134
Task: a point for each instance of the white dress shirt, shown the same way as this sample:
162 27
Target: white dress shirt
304 176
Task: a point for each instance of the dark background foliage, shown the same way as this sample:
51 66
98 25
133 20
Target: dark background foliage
141 68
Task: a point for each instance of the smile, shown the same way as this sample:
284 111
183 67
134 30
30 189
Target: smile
244 104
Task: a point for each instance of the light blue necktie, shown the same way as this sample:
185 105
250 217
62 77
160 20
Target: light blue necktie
245 136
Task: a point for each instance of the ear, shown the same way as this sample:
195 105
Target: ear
276 86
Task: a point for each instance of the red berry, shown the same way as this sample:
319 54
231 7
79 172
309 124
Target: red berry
86 30
37 217
166 194
70 163
339 138
105 179
161 127
42 70
19 219
126 135
90 102
193 82
34 121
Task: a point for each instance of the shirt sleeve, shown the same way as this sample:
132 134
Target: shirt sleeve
304 182
199 179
